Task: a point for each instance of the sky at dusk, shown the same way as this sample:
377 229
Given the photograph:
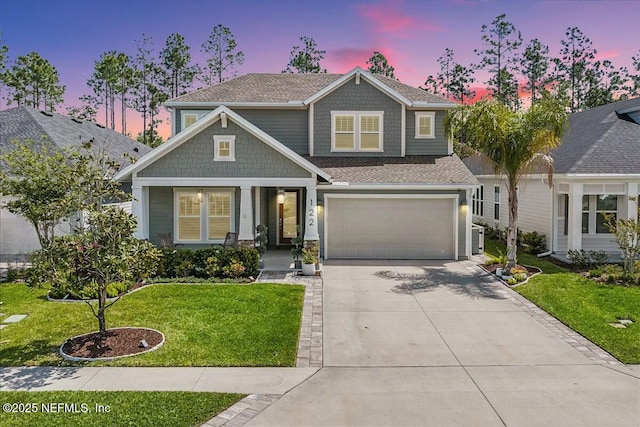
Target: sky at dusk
412 34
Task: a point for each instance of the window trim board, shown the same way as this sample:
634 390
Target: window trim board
357 131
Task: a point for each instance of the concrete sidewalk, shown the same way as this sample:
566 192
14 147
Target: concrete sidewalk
230 380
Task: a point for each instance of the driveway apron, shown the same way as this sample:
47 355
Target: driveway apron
440 343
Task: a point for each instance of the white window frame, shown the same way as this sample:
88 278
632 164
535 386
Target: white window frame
207 213
176 215
231 139
357 131
477 202
183 117
432 115
593 212
496 202
204 213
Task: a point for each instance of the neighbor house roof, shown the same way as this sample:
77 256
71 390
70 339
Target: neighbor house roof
294 89
436 170
601 140
22 123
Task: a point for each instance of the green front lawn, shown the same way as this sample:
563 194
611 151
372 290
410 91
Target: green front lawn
125 408
204 324
584 305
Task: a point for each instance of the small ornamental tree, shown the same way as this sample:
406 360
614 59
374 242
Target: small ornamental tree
38 178
627 233
102 251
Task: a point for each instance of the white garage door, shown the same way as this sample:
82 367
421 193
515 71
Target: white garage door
390 228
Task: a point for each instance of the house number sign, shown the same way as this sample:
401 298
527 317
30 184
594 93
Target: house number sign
312 220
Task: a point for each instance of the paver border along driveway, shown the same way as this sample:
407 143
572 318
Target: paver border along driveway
433 343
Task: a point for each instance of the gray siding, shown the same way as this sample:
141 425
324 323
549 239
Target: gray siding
254 158
161 213
432 147
461 216
362 97
290 127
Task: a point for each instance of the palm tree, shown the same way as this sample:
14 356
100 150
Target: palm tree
514 143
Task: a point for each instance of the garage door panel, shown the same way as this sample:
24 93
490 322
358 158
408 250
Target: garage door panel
392 228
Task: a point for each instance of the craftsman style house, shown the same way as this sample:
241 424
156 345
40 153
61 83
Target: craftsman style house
360 163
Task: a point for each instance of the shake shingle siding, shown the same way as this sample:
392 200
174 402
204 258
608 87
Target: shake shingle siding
357 97
439 146
194 158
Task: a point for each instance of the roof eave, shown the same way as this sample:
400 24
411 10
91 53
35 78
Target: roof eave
208 104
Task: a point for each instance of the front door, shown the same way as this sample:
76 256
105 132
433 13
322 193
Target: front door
288 213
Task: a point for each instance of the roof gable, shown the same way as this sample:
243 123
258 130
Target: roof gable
220 113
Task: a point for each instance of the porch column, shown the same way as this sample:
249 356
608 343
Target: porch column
632 207
574 225
311 216
245 231
140 209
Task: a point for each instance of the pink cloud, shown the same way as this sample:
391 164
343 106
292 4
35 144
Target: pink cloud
388 18
346 59
607 55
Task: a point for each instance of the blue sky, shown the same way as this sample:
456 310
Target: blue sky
412 34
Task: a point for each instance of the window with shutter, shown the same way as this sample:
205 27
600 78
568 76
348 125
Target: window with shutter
188 217
219 215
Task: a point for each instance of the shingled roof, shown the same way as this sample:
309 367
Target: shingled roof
396 170
289 88
601 140
22 123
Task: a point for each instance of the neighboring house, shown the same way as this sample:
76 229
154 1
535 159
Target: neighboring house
597 169
360 162
17 237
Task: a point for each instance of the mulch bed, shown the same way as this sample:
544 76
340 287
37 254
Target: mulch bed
118 342
493 267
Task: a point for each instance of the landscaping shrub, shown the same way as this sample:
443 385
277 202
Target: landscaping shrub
584 260
533 243
233 263
176 263
579 258
241 262
598 258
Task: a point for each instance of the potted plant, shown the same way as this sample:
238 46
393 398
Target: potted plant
296 248
261 242
309 260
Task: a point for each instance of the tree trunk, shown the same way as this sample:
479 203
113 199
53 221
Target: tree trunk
512 236
102 300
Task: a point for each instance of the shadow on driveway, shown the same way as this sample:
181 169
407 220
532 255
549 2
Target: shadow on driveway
450 276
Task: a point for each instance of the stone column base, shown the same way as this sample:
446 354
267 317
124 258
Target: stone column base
246 243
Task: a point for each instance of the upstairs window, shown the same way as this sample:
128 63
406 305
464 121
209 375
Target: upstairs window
425 124
356 131
224 148
190 117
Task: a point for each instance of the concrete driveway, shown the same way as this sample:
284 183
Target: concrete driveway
427 343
